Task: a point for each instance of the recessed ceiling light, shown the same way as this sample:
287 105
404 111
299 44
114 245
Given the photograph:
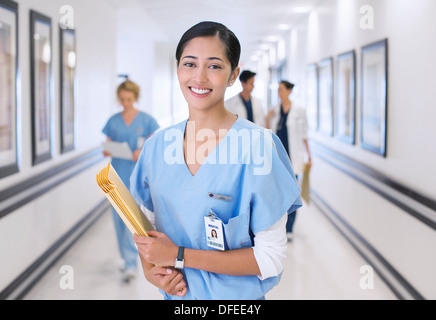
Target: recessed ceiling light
284 26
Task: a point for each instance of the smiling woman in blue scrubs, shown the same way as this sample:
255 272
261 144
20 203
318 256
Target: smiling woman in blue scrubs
214 171
134 127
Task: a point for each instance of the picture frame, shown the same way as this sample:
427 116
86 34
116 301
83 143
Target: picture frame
41 79
326 97
68 56
312 96
374 97
8 87
345 115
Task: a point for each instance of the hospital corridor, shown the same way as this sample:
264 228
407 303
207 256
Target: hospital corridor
320 265
258 150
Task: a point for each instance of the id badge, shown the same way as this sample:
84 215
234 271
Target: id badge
214 232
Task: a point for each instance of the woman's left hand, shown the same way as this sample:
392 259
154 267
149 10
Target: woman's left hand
157 249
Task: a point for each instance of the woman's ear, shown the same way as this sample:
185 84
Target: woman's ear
234 76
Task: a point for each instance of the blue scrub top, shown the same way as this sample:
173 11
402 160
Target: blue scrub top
117 130
254 199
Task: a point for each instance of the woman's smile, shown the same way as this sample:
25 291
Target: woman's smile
200 92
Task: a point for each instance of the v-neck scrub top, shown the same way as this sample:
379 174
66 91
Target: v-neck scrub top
142 126
248 199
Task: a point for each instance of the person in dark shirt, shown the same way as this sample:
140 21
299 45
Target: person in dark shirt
244 104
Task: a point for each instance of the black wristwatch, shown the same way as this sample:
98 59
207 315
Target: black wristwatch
180 262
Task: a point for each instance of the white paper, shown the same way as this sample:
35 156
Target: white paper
120 150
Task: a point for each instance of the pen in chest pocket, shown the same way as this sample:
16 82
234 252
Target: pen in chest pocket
219 196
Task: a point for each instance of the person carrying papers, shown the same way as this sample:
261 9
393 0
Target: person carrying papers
133 127
220 186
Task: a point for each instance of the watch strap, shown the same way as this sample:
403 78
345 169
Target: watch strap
180 254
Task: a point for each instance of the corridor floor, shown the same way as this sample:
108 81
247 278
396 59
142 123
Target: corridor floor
320 265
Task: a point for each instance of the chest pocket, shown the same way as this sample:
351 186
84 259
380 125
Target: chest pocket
236 231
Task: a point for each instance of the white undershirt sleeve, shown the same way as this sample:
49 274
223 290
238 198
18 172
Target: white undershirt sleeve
270 249
150 216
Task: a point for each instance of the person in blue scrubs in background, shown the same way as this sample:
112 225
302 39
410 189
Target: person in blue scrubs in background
134 127
199 176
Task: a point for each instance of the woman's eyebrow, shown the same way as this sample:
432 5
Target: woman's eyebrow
189 57
215 58
196 58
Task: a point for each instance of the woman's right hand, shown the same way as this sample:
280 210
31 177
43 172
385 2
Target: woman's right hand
106 154
168 279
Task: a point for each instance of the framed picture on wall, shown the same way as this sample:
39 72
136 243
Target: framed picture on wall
41 86
8 87
326 96
374 83
312 96
346 97
67 87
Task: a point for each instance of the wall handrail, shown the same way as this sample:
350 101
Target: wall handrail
25 191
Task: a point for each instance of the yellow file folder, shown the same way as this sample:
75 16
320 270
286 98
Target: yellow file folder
123 202
305 185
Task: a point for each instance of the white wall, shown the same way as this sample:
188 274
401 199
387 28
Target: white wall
411 137
164 65
334 28
136 33
148 57
30 230
95 79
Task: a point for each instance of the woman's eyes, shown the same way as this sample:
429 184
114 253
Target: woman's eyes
192 65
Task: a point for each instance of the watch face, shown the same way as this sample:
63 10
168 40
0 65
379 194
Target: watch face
178 264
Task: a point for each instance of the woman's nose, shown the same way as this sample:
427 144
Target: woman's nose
201 75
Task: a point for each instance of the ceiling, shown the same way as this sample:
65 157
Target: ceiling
255 22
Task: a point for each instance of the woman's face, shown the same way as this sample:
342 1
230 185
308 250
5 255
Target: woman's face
205 72
283 92
126 98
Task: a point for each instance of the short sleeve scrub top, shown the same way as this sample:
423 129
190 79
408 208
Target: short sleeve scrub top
247 182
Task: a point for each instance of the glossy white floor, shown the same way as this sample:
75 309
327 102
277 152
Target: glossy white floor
321 264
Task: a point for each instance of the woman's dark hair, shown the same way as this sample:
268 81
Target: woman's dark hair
212 29
287 84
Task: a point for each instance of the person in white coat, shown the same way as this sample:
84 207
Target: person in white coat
289 122
244 104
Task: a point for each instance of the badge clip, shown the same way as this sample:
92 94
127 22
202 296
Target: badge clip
212 216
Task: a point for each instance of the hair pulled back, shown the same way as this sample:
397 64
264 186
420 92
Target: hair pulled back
212 29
